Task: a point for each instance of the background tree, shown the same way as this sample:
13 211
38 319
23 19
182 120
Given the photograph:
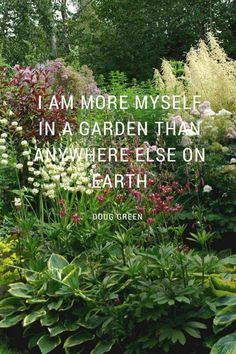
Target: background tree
124 35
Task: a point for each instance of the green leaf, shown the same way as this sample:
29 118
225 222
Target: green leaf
57 262
225 316
10 321
33 316
33 340
225 345
55 305
10 305
193 332
196 324
49 319
47 343
63 327
102 347
20 290
77 339
178 336
226 301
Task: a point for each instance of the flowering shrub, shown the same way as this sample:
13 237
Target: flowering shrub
208 72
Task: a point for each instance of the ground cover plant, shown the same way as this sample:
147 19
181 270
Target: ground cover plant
160 283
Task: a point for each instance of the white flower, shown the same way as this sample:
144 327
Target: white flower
31 169
30 163
203 106
19 129
30 179
89 191
37 173
24 143
25 153
207 189
4 135
35 191
2 147
17 202
224 112
4 162
19 166
14 124
3 121
56 178
186 141
208 113
2 141
190 132
36 184
233 160
5 156
10 113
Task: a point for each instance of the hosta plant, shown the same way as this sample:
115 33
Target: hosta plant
113 298
224 288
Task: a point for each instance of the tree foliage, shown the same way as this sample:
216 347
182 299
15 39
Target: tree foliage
130 36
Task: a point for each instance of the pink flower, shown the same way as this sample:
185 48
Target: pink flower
150 182
141 210
136 195
76 218
62 213
177 120
100 199
150 221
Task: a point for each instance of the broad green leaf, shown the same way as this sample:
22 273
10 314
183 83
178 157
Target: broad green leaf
193 332
49 319
72 279
225 345
33 316
178 336
77 339
33 340
195 324
230 260
63 327
10 305
20 290
11 320
48 344
102 347
55 305
57 262
225 316
220 284
226 301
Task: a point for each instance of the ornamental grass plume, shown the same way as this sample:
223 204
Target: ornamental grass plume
207 72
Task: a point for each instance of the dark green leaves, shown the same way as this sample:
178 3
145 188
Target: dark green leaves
102 347
77 339
11 320
47 343
226 345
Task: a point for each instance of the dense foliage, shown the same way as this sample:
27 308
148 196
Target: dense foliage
78 274
101 35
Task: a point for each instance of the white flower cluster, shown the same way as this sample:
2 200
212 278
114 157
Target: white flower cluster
9 127
4 155
52 176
